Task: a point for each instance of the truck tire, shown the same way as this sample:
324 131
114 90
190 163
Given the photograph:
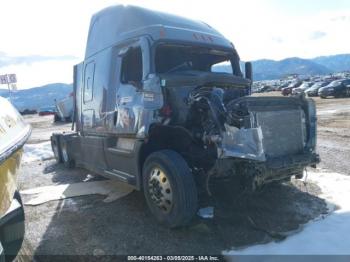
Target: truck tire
56 148
169 188
67 159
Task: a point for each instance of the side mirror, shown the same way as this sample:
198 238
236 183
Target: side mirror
248 71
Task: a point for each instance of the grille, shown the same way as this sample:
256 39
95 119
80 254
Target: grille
282 132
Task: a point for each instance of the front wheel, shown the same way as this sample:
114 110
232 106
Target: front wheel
169 188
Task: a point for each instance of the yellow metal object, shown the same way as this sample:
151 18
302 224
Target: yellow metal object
14 132
8 180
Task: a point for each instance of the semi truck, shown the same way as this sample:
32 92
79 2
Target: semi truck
161 103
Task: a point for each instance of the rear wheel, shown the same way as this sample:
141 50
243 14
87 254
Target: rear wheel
67 159
169 188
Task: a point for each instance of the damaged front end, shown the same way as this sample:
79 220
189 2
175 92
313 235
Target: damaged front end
263 139
259 139
278 138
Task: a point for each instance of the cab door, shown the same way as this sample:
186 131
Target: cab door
129 89
121 147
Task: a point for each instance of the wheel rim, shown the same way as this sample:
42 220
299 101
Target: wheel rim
64 153
160 190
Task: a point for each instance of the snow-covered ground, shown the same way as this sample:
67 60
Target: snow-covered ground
35 152
327 235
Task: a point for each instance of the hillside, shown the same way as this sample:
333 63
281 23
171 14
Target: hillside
266 69
269 69
334 62
37 97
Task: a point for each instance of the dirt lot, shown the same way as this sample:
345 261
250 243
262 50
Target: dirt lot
334 134
88 226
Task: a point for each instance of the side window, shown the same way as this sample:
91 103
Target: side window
132 66
89 82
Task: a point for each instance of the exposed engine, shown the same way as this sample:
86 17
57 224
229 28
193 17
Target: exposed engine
212 109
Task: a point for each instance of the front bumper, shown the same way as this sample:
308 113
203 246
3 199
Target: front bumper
12 230
280 169
294 161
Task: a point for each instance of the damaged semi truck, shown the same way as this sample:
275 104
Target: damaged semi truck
161 103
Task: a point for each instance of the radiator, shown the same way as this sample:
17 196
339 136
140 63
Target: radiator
283 131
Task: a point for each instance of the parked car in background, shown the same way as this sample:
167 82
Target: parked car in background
288 90
283 85
45 111
28 112
301 88
338 88
265 88
313 90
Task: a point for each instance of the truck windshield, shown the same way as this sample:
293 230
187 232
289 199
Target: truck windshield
174 58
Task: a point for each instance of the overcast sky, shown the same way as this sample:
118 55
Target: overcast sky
42 39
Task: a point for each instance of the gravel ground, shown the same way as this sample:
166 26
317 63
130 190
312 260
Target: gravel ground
334 134
88 226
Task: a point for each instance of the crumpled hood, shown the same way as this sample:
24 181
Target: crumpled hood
198 78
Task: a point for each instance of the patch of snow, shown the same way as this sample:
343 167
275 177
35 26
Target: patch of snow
328 235
112 189
36 152
327 112
88 178
206 212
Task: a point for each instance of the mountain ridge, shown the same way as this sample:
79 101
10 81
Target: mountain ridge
268 69
36 97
